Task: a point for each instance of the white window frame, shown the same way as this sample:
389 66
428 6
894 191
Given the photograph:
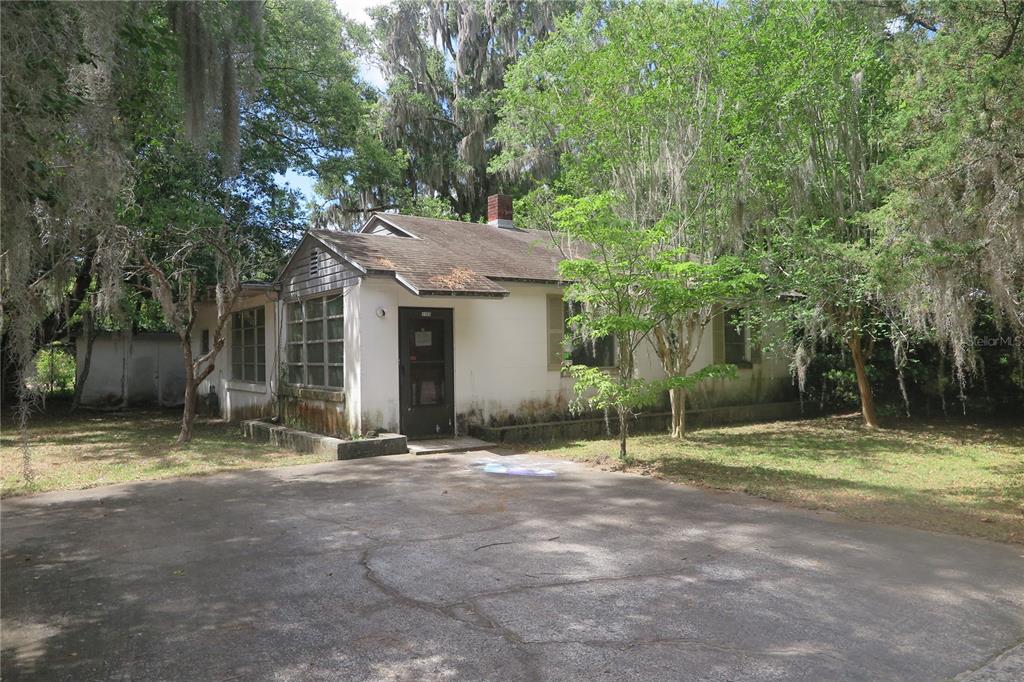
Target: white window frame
303 346
258 345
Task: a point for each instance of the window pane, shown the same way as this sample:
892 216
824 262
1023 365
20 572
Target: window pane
315 330
249 337
295 374
236 335
604 351
295 332
261 373
336 328
572 308
426 341
295 311
736 347
260 316
315 352
335 305
295 353
427 383
261 354
250 355
336 352
314 308
335 375
581 354
315 375
250 372
236 370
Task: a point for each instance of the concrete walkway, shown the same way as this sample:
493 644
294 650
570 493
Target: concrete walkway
475 567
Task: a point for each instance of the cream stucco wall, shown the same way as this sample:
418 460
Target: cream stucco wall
500 353
241 399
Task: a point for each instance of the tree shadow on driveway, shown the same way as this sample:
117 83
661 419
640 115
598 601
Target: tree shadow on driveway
411 568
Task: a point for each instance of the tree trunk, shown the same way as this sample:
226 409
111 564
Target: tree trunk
188 414
9 373
867 401
677 396
80 377
623 432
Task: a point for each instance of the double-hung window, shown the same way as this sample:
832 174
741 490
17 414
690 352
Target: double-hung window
248 345
316 342
738 346
598 352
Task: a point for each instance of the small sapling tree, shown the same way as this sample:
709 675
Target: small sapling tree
627 282
687 293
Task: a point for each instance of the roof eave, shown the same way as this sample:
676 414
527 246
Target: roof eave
535 280
423 293
465 294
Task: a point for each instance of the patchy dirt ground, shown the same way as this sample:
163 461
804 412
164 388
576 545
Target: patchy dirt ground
70 452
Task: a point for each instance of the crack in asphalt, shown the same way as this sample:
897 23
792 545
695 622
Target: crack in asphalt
474 618
468 612
966 674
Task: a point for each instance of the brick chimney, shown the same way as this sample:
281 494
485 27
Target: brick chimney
499 210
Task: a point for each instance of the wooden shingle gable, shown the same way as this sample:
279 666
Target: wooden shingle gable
315 269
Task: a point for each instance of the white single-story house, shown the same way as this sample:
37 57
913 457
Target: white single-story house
424 327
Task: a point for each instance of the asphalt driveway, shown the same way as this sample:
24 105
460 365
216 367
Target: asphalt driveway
444 568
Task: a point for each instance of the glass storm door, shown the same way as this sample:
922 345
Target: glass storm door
425 372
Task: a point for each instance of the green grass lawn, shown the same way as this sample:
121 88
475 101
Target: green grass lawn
944 476
95 448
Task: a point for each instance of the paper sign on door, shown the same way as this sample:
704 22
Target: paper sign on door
423 338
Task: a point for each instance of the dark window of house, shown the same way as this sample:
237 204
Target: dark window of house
248 345
737 338
204 343
591 352
316 342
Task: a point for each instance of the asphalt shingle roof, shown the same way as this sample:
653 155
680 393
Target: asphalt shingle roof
448 256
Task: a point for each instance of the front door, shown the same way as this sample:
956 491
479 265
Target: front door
426 371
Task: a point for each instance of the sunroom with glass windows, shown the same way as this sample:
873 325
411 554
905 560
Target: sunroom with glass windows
315 348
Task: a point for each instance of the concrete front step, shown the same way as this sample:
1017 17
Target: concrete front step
306 441
436 446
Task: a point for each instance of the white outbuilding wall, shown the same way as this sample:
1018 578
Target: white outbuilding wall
133 369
